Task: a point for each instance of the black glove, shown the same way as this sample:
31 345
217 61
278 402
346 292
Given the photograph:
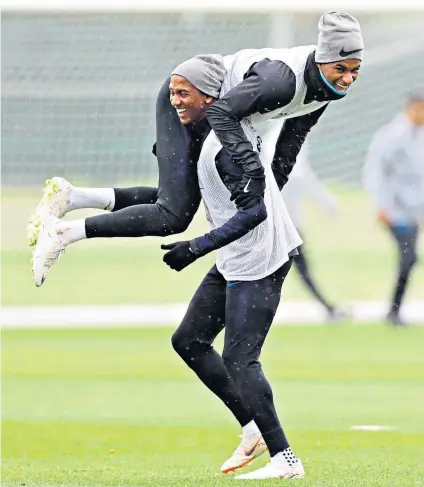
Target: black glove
249 191
179 256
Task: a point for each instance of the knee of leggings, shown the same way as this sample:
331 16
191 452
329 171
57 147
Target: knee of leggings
236 364
174 224
177 226
187 347
179 343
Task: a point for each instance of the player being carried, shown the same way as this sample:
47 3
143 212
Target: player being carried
249 221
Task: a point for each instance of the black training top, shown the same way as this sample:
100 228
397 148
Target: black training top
268 85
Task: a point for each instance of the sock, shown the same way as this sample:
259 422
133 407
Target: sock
99 198
71 231
288 456
250 429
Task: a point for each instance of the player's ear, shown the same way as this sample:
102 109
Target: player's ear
209 100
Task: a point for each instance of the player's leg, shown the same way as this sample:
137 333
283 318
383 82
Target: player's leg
178 198
177 149
193 341
135 221
406 238
302 265
250 310
195 335
72 197
60 197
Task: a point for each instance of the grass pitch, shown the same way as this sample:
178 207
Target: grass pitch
118 408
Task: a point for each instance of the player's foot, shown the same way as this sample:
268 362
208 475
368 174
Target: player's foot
277 468
394 319
250 448
54 202
48 250
335 315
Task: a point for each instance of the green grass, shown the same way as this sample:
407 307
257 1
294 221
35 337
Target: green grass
72 396
352 258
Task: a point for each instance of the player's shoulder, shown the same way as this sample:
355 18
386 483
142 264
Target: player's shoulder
304 49
289 53
252 56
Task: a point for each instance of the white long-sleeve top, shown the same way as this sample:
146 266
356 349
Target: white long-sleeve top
393 173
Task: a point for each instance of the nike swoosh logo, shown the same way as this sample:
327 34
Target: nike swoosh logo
344 53
250 452
246 190
232 283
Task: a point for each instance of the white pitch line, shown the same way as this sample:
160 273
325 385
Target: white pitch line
301 313
372 427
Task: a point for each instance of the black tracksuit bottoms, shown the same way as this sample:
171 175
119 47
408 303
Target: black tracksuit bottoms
246 310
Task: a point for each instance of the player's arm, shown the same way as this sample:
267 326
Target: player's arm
245 220
289 142
382 156
267 85
182 254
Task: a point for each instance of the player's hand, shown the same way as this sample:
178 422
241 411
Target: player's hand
249 190
179 256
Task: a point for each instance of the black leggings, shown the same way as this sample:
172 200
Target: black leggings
139 220
406 239
302 265
246 309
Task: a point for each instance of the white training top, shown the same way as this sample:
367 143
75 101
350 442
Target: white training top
239 63
265 248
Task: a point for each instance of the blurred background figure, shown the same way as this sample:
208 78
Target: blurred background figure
303 184
393 175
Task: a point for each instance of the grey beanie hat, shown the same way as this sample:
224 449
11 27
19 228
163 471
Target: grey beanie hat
339 38
205 72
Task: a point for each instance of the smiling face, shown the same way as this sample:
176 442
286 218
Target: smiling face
341 74
190 103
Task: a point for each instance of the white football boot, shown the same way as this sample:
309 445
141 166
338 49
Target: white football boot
277 468
48 250
250 448
54 202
